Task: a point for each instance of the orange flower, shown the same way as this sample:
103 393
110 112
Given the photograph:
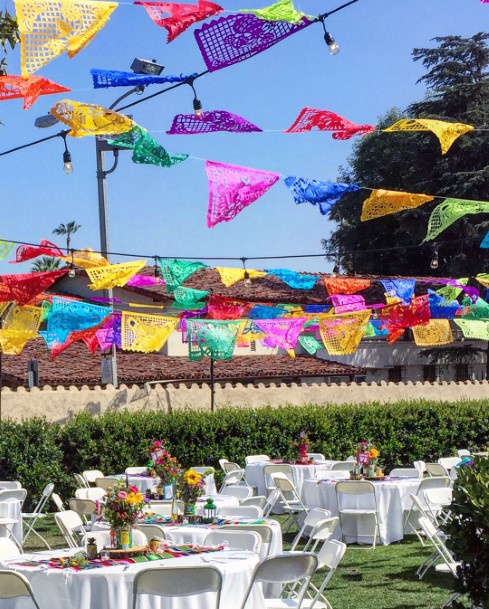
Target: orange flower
373 453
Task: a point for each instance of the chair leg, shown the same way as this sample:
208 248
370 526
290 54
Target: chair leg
38 535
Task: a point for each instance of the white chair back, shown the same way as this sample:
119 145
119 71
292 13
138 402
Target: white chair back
347 466
405 472
276 468
359 488
152 530
420 466
258 500
228 466
105 482
80 480
174 582
240 492
232 478
70 524
329 557
339 474
9 484
321 533
8 548
242 540
256 459
134 471
204 469
461 452
449 462
14 493
316 457
91 475
15 585
436 469
312 518
94 493
240 511
85 507
263 530
102 538
272 498
58 502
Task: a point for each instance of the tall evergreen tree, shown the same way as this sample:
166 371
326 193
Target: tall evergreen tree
9 36
457 79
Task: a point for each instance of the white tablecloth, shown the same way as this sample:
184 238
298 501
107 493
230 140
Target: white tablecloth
111 587
255 476
10 508
392 499
145 483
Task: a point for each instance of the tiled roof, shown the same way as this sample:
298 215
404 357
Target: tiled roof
76 366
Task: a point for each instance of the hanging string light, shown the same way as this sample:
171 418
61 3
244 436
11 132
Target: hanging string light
434 256
333 46
246 278
67 165
196 101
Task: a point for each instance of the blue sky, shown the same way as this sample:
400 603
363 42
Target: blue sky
157 211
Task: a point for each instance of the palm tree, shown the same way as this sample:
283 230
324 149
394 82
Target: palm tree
45 264
67 229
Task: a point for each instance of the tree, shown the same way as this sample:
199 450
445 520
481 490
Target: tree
457 78
67 229
45 264
9 36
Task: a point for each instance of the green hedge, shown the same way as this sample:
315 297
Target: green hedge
36 452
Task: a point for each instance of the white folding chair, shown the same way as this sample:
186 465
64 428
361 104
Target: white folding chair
94 493
90 475
232 478
449 462
85 508
276 468
263 530
151 530
258 500
272 498
8 549
58 502
38 512
71 526
405 472
102 538
80 480
412 514
316 457
133 471
105 482
436 469
256 459
174 582
438 501
347 466
312 518
295 569
228 466
17 497
242 540
358 488
322 532
339 474
329 557
461 452
10 484
234 490
420 466
15 585
240 511
14 493
290 501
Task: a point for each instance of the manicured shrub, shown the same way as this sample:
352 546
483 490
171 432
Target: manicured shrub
36 451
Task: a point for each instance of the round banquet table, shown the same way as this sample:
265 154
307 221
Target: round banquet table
10 508
111 587
145 483
255 477
392 500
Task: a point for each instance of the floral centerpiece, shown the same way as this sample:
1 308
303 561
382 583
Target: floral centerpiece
367 457
166 467
122 507
302 443
190 487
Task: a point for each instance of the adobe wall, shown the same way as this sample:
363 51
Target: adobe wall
60 404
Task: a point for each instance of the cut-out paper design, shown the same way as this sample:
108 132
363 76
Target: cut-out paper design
248 332
478 330
24 288
5 248
400 288
293 279
222 307
348 303
345 285
384 202
325 120
176 271
28 252
29 88
440 308
282 333
3 307
146 150
342 334
234 38
264 312
445 214
483 278
435 332
485 242
232 188
189 296
89 337
212 338
210 122
48 28
451 291
113 275
283 10
90 119
374 328
141 281
230 276
145 333
397 317
446 132
86 259
316 192
113 78
72 315
477 310
310 344
182 15
110 333
20 325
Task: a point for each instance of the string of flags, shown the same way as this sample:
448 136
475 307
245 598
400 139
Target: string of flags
213 325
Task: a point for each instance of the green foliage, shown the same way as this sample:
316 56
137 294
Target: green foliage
458 80
468 531
45 264
9 36
36 452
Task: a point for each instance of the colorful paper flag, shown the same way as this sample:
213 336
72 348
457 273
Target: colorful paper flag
29 88
446 132
283 10
325 120
384 202
90 119
316 192
445 214
210 122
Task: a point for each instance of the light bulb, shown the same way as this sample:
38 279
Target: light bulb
247 279
197 107
434 262
67 166
333 46
71 273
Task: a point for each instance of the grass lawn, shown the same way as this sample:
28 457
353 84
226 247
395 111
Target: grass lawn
384 578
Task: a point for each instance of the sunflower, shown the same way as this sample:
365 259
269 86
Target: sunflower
192 477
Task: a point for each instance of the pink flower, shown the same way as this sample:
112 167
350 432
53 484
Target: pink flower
122 494
157 444
134 489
